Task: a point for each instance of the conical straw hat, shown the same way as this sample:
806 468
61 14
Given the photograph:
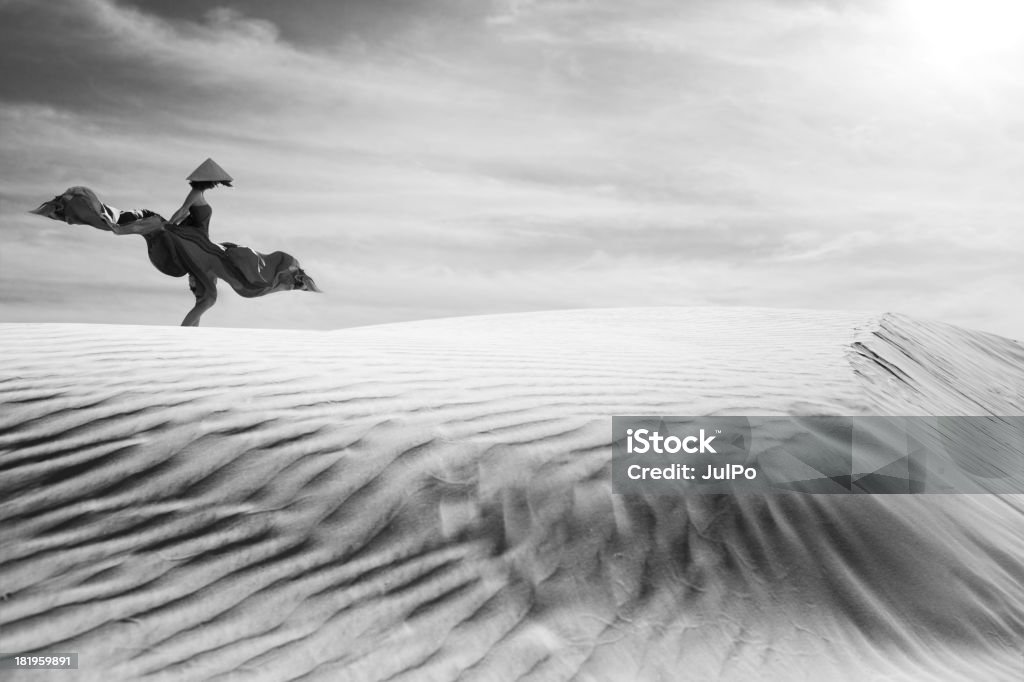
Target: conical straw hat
209 171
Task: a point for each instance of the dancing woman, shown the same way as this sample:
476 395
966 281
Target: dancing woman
195 212
181 246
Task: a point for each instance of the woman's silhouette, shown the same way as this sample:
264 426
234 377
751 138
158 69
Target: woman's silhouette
182 246
195 213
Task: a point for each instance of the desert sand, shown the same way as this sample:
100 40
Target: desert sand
431 500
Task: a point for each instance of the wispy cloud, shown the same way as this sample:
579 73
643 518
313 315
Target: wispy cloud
480 157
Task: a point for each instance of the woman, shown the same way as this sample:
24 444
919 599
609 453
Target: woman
181 246
195 213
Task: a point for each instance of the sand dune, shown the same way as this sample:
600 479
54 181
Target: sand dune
432 500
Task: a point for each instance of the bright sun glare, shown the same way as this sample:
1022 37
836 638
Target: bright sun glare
960 32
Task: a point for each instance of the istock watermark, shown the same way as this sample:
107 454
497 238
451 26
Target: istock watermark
642 441
817 454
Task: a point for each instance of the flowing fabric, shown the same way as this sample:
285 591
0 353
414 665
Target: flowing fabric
179 250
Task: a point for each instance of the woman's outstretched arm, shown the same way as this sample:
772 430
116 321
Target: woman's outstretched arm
180 214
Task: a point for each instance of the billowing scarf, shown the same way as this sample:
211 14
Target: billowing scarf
178 250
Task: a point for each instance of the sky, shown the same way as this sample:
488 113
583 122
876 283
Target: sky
458 157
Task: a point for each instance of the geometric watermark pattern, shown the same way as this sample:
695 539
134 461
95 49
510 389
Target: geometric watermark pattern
840 455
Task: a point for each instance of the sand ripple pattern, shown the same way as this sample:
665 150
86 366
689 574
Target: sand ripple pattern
431 501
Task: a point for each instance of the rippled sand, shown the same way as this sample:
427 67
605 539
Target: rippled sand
432 500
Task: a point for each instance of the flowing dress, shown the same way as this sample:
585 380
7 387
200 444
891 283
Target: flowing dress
185 249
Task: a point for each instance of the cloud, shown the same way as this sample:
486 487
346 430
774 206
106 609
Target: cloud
483 157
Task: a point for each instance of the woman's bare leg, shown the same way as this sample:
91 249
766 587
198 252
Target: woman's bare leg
204 287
